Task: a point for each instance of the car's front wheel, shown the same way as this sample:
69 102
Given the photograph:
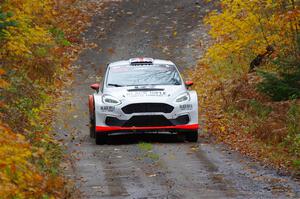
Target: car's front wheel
92 128
92 122
192 136
101 138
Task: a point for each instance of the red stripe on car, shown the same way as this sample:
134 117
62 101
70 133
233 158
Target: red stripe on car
119 128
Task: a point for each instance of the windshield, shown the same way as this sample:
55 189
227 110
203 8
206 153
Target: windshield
143 75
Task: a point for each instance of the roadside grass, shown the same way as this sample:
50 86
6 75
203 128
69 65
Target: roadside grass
152 156
147 148
292 140
259 109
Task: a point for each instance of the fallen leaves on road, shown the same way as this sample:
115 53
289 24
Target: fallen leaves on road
151 175
111 50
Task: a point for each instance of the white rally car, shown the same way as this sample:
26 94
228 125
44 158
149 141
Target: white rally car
143 95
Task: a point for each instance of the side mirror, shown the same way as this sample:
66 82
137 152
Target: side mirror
189 83
96 87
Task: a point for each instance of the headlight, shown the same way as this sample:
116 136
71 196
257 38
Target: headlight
110 100
183 97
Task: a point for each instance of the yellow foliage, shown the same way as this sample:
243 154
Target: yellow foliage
34 52
19 177
240 31
17 174
243 29
31 29
3 84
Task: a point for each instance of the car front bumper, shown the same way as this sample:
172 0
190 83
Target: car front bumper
188 127
172 117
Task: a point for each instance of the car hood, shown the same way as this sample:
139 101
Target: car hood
146 93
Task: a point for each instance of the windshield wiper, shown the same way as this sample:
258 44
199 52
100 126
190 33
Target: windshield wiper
115 85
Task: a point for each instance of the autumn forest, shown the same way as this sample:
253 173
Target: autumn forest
248 84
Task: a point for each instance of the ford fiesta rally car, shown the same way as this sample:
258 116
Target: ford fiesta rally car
143 95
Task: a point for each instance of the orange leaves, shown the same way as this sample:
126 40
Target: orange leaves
2 72
3 84
111 50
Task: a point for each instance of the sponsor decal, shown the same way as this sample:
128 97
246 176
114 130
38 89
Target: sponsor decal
107 108
186 106
146 93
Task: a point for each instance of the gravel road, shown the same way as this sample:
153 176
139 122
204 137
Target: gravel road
153 166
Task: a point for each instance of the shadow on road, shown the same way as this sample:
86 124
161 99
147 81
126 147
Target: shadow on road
126 139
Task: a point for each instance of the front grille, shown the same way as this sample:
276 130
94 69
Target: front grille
148 120
113 121
183 119
147 108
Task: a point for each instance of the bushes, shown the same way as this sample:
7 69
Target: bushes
19 175
59 36
35 55
280 88
262 111
292 141
21 98
283 84
5 22
240 107
26 144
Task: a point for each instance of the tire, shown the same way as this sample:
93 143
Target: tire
192 136
92 122
92 128
101 138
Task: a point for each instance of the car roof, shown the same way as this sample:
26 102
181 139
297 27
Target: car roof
153 62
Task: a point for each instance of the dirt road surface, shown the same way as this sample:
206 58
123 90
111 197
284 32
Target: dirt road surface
153 166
